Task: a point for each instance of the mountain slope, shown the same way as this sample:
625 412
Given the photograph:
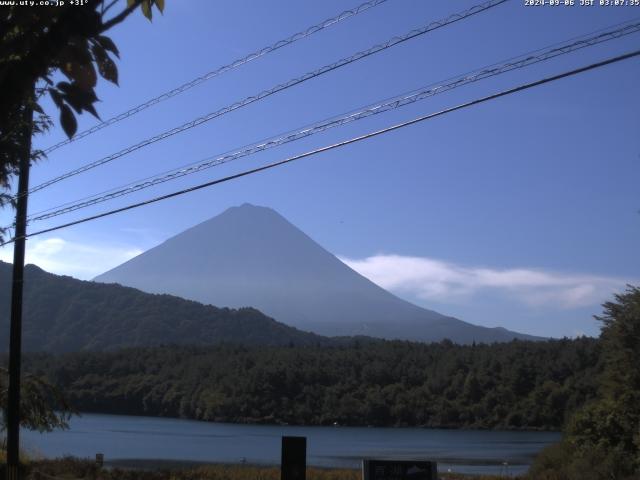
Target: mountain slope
64 314
252 256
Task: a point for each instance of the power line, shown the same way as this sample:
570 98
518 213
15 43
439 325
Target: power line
515 63
283 86
376 133
220 70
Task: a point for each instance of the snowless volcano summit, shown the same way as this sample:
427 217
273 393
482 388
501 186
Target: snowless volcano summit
252 256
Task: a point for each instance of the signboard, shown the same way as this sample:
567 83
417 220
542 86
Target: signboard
294 458
399 470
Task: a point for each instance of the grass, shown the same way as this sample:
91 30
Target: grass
70 468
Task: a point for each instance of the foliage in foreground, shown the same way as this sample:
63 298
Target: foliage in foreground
43 406
36 42
602 440
517 385
81 469
70 467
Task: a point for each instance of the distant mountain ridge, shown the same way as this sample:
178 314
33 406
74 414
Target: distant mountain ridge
63 314
252 256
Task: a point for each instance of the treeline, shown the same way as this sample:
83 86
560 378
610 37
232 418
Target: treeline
602 439
516 385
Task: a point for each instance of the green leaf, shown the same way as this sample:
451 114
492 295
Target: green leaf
102 59
68 121
76 51
76 63
98 52
91 109
79 99
56 97
72 89
86 76
160 5
146 8
130 3
108 69
107 44
64 86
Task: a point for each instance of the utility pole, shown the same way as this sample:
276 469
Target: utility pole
15 342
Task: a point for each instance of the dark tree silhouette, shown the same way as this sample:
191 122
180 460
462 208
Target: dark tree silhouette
35 43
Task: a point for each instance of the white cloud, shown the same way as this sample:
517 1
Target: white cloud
63 257
432 279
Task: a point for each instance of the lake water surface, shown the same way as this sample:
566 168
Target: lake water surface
127 438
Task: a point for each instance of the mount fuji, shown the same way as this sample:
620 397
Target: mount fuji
252 256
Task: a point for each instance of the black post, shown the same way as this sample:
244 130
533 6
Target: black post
15 342
293 464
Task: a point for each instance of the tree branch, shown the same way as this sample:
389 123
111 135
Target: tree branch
120 17
108 7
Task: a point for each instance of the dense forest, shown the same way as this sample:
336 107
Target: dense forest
516 385
602 439
63 314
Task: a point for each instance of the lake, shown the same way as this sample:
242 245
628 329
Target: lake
122 438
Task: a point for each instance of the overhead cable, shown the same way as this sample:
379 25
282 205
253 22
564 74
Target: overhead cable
381 107
219 71
376 133
278 88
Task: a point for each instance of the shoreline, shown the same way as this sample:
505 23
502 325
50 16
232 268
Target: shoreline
314 425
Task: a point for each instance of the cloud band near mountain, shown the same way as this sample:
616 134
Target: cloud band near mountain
437 280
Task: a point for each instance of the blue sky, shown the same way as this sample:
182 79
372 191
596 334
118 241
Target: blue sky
522 212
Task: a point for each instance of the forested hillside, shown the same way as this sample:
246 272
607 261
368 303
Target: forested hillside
62 314
517 385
